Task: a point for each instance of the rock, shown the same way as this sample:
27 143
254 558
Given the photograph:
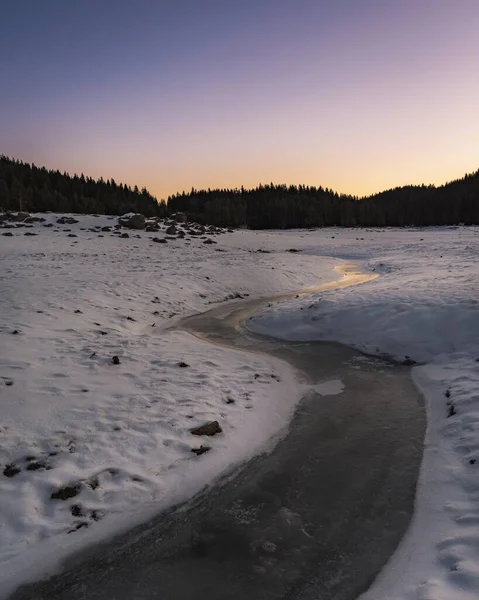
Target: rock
80 525
15 332
171 230
8 234
11 470
106 228
159 240
37 465
293 250
124 235
448 393
201 450
115 360
33 220
180 217
209 241
21 216
48 225
67 221
452 411
183 365
132 221
77 510
209 429
66 492
69 235
29 233
150 227
472 461
408 361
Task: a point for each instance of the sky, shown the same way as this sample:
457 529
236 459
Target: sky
354 95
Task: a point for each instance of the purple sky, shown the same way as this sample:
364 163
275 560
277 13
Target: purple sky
356 95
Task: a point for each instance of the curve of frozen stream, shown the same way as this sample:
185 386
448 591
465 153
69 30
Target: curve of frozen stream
316 518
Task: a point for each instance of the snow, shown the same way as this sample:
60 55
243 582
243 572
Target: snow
424 305
122 432
127 426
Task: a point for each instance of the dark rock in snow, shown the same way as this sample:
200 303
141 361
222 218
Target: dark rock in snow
67 221
66 492
11 470
124 235
77 510
8 234
70 235
448 393
78 526
30 233
408 361
452 411
37 465
209 429
115 360
183 365
201 450
133 221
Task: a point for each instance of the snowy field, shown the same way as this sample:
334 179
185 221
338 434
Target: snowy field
119 435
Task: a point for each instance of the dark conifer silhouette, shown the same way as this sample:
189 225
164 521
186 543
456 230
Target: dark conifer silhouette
27 187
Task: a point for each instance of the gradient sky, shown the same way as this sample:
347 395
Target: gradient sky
355 95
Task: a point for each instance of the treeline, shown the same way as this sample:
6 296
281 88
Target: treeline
281 206
33 189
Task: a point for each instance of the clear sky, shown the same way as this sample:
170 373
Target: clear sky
355 95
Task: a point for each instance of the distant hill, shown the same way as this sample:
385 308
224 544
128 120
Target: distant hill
265 207
37 189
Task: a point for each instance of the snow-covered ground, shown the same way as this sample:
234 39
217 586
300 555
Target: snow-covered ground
424 306
120 434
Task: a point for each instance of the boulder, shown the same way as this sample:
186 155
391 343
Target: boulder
67 221
132 221
20 216
180 217
209 429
